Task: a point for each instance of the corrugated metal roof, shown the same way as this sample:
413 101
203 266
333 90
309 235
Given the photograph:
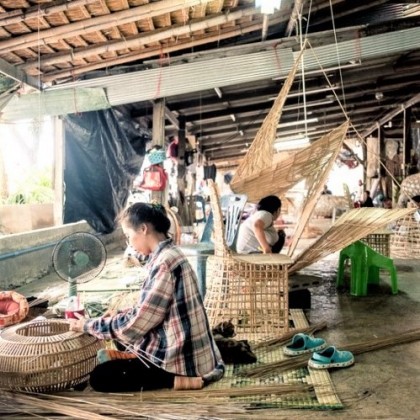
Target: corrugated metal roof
191 77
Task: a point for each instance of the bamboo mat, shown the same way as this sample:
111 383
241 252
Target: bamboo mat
235 396
319 392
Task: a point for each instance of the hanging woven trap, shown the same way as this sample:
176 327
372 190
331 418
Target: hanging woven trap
45 356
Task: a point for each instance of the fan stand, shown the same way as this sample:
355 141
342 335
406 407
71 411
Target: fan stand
80 259
77 258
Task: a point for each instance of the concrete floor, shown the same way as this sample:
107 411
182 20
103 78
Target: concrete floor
382 383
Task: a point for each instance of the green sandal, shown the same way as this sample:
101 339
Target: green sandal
331 358
302 344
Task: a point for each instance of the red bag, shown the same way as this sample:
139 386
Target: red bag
154 178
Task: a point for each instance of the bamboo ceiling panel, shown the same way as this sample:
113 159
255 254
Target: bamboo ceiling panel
111 32
350 227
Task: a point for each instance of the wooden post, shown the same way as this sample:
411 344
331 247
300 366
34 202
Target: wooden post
58 171
158 139
185 214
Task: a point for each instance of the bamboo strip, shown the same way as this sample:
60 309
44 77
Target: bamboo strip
358 348
287 172
280 341
319 179
74 412
350 227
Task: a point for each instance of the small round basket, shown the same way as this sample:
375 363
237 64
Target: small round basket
44 356
13 308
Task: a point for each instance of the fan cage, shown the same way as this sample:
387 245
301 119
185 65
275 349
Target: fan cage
79 257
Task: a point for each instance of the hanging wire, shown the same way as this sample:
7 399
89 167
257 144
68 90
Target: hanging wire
360 138
301 41
338 55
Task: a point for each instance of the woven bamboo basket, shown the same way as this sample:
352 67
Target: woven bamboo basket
405 242
253 295
44 356
249 290
379 242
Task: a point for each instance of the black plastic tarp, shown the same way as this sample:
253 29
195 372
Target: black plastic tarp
103 153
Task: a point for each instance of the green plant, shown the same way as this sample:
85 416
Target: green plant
35 189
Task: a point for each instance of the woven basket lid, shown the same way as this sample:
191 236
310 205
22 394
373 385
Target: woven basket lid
44 356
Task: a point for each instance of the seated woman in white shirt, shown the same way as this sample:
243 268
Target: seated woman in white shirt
257 234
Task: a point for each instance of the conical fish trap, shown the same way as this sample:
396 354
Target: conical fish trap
44 356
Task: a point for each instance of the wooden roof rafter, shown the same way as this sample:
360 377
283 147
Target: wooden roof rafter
96 23
141 39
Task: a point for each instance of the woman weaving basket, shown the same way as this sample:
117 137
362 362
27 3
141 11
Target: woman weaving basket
166 334
257 233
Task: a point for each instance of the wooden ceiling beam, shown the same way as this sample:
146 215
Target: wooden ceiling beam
41 10
140 40
381 121
94 24
173 45
296 12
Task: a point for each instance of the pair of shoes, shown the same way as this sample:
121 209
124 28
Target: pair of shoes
331 358
302 344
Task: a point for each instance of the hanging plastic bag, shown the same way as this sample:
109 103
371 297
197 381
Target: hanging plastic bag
154 178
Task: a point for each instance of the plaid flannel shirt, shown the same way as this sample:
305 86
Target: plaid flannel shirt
168 323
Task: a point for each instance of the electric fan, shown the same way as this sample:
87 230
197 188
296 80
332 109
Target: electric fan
78 258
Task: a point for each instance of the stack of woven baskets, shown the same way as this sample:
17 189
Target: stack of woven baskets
44 356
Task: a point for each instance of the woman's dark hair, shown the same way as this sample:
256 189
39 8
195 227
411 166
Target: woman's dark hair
271 203
139 213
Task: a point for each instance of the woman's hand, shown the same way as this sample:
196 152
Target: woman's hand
76 324
266 249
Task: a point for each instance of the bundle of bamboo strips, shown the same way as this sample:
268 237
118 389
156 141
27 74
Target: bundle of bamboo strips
352 226
358 348
280 341
162 403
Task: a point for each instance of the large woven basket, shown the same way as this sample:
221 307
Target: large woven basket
44 356
251 291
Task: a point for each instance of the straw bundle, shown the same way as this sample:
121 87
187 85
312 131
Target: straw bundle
260 154
352 226
44 356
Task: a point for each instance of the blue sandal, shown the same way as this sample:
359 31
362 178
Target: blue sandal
331 358
303 343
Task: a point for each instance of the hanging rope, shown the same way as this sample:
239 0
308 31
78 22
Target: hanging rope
338 55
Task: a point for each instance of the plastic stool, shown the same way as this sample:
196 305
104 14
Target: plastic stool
365 265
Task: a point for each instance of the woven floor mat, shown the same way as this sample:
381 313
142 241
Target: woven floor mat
321 396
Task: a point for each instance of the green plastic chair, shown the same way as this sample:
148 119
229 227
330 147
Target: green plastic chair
365 266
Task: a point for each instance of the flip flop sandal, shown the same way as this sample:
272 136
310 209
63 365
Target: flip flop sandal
331 358
303 343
